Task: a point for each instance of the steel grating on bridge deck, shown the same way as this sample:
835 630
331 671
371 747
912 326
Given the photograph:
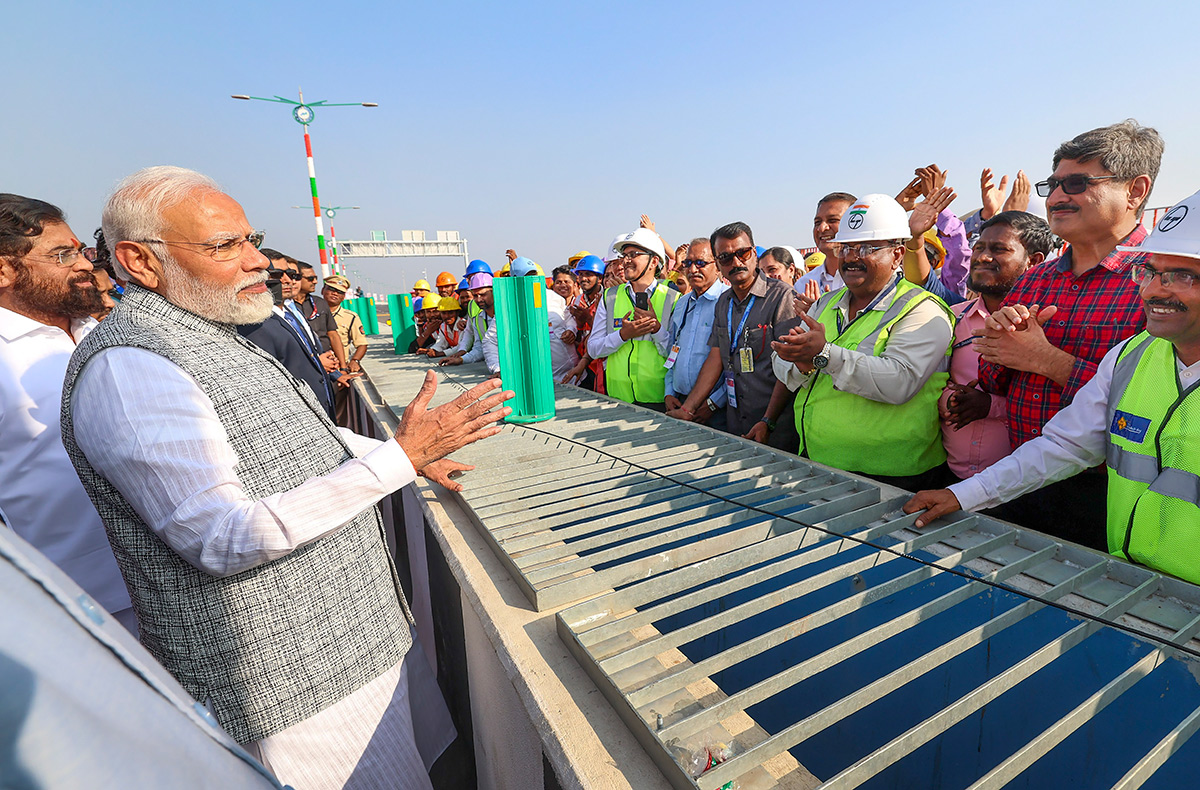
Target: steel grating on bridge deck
740 596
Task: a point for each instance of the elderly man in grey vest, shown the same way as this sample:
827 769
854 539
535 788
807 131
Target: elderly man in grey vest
242 519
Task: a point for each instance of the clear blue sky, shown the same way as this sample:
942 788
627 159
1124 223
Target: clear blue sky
551 127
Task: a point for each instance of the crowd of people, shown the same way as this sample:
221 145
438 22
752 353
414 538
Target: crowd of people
913 346
173 405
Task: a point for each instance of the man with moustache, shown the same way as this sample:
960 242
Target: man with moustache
632 320
1137 415
691 330
1086 304
974 425
243 520
869 360
747 319
46 297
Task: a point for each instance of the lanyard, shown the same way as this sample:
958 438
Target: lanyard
729 322
687 311
879 297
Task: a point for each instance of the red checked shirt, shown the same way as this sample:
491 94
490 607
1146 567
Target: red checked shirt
1096 310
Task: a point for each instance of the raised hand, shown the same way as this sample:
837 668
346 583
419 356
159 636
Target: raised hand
647 223
924 214
908 196
1018 200
932 178
992 195
428 435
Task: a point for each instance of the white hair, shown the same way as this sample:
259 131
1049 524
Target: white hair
134 210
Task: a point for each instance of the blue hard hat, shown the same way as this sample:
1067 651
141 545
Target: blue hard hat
590 263
417 304
521 266
463 285
476 266
761 251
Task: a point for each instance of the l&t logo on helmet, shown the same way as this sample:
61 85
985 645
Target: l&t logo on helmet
1172 218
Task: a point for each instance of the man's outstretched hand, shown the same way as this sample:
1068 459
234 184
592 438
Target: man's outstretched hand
442 472
935 504
428 435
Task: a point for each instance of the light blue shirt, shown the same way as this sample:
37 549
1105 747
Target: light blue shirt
691 327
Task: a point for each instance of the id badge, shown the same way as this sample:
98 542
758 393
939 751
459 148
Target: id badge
670 363
746 355
730 390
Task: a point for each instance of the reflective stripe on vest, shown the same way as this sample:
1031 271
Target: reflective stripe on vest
1153 491
857 434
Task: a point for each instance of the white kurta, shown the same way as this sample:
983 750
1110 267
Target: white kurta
146 426
41 495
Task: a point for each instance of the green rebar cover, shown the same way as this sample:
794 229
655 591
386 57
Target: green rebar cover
371 320
523 340
404 326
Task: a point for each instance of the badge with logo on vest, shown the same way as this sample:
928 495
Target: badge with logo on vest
1129 426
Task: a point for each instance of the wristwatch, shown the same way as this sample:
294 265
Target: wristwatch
821 360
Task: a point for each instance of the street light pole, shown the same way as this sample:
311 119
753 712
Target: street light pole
303 114
331 212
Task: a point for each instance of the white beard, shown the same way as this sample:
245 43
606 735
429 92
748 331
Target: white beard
227 306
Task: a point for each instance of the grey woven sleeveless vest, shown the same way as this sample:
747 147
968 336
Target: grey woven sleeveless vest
276 644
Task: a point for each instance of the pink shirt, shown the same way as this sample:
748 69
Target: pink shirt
982 443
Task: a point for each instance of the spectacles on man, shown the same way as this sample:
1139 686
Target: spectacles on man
221 251
1176 281
743 255
68 257
860 249
1074 184
699 264
629 256
309 278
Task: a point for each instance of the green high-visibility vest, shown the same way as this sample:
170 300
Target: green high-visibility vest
635 372
1153 459
858 434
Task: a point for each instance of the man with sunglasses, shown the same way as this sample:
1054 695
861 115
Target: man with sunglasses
317 314
286 336
746 320
691 329
1084 303
244 522
632 323
46 297
869 361
1139 415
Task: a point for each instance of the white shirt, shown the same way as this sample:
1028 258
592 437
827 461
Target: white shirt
148 428
1073 440
40 494
825 281
485 348
563 356
915 349
604 340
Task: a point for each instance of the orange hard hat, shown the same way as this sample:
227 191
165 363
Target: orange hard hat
446 278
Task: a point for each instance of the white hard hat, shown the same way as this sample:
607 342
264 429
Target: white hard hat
873 218
646 239
613 254
1177 231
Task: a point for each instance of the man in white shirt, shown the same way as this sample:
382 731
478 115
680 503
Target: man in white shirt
828 219
46 296
243 520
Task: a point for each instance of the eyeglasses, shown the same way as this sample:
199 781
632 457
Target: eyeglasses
1074 184
629 256
220 251
69 257
743 255
1178 281
310 279
697 263
861 249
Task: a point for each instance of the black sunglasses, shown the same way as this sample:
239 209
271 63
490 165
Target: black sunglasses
1074 184
742 255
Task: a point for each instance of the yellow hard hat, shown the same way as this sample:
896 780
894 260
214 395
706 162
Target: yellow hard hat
574 259
446 278
504 269
448 303
421 285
